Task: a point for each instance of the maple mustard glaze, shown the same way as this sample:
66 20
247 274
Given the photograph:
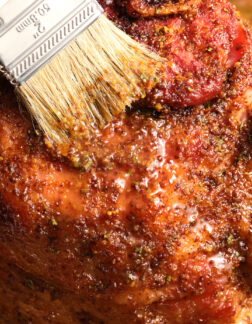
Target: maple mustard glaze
153 223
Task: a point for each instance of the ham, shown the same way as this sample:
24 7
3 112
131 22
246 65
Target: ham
156 228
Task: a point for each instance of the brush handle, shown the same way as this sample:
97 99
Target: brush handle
33 32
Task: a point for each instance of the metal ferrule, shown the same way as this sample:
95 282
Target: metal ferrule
33 32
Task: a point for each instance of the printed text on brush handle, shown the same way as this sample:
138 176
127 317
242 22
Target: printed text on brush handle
41 31
34 19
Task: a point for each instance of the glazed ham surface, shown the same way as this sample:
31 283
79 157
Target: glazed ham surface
156 226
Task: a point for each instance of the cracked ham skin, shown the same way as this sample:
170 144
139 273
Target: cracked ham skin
158 228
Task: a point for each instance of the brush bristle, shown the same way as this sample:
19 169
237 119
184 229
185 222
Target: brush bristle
89 82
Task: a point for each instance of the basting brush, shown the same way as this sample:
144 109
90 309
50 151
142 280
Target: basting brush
73 68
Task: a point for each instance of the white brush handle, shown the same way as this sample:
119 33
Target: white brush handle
33 32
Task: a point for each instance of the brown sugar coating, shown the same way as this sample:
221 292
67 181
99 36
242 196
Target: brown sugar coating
157 227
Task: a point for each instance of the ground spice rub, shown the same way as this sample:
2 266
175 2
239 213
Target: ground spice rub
200 45
160 8
156 228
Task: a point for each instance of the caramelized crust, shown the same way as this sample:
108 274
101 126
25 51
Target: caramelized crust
157 227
